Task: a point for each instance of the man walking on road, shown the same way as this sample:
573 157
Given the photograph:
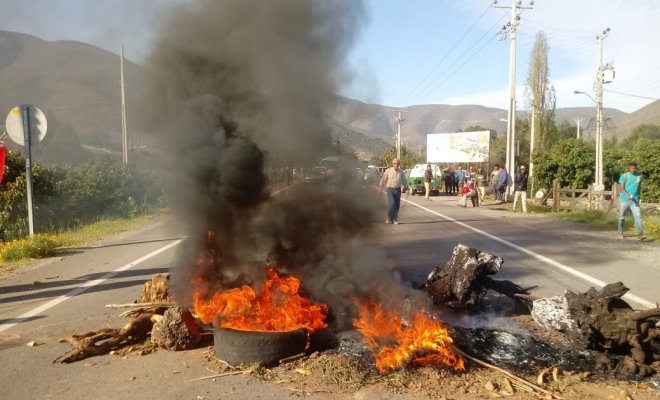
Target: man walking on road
520 186
393 180
629 184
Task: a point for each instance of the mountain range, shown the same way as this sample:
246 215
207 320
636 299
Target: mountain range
77 86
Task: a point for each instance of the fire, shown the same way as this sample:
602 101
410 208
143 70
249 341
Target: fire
278 306
423 342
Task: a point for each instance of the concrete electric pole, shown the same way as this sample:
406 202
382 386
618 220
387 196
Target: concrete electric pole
399 121
510 30
578 121
600 79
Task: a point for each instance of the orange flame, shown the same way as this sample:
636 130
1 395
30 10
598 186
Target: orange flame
279 307
424 342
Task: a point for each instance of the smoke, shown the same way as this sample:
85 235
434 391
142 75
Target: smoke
239 87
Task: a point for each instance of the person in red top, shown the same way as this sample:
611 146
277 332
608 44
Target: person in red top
468 191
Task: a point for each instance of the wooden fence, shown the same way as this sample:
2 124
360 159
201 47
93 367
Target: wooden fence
589 199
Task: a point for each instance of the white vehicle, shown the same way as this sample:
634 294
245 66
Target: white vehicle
415 179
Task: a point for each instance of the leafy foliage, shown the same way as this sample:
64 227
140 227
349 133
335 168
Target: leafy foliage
408 160
67 197
572 162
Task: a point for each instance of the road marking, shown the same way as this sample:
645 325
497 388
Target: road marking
26 316
563 267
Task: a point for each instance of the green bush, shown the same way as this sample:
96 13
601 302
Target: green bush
572 162
66 197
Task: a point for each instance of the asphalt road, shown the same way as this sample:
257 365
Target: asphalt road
51 299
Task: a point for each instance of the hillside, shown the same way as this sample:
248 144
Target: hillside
74 83
648 115
77 87
421 120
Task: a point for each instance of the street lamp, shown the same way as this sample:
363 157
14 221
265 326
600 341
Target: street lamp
598 184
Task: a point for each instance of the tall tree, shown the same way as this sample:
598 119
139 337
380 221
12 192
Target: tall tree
542 98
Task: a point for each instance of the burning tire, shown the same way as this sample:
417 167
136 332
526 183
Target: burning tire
247 347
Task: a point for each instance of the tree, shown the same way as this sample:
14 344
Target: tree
642 131
408 160
571 161
541 94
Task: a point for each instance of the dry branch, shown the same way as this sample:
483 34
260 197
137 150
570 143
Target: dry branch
508 374
140 305
217 376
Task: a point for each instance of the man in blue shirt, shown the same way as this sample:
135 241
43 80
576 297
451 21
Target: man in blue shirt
629 184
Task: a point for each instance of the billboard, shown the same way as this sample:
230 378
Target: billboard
457 147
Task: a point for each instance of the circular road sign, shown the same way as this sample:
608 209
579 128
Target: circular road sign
37 121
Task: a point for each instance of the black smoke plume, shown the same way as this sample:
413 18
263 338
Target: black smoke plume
240 87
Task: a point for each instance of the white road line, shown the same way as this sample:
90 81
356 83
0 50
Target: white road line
23 317
558 265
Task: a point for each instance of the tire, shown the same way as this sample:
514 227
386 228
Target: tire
248 347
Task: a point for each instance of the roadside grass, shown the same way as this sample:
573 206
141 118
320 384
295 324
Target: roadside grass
46 245
604 221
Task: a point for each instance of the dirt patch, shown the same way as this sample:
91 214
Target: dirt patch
331 372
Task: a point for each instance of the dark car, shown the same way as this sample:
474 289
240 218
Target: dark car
317 175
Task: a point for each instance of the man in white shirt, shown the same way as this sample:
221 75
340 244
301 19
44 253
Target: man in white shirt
392 181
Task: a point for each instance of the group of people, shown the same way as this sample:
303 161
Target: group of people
393 181
469 184
499 179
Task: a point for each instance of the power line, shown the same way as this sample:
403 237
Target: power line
464 62
412 92
631 95
489 31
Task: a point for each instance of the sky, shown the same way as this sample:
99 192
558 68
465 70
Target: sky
413 52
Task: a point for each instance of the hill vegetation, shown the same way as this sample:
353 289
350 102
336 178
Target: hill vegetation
77 87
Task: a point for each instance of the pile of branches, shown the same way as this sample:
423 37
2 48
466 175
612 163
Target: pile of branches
155 318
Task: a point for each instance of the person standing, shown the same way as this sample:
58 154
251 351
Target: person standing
458 178
480 185
448 177
520 189
392 181
502 181
494 178
428 178
629 185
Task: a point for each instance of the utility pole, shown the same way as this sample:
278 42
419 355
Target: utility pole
124 132
577 123
510 30
399 121
598 185
531 147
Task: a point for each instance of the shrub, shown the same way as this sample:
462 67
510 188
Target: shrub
66 197
40 245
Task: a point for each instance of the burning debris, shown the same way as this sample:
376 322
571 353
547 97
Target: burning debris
277 307
395 343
